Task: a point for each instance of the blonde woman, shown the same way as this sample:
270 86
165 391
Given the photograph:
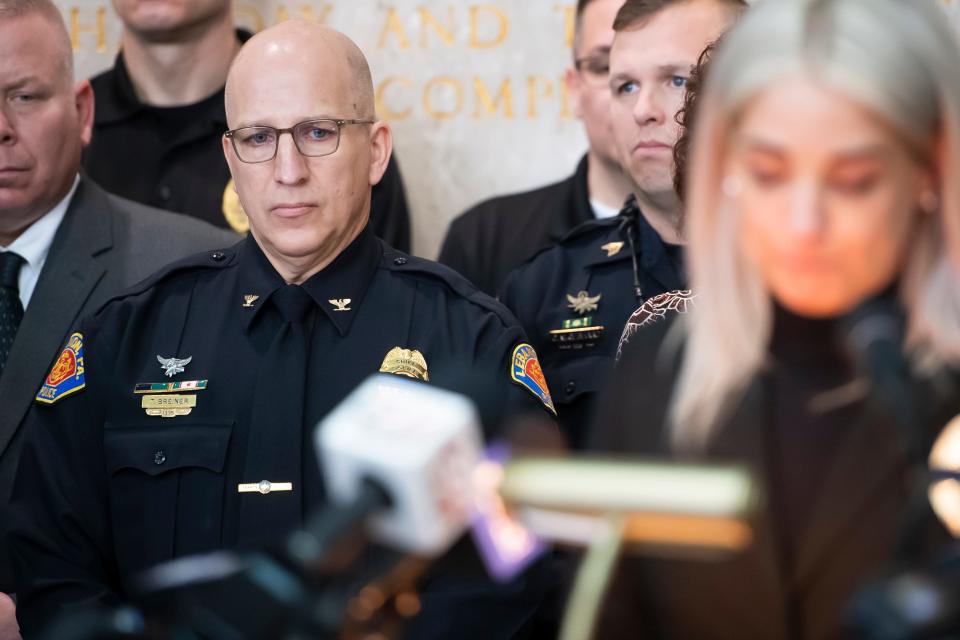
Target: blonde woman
823 176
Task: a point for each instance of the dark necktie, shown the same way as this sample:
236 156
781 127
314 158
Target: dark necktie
276 425
11 309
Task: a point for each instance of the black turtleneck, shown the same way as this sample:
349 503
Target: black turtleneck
814 399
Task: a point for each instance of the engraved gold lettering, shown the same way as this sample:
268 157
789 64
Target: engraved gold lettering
537 87
452 85
428 20
99 29
569 13
503 27
306 12
383 109
393 25
490 106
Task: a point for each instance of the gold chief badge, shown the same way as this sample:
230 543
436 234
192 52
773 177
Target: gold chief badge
233 211
405 362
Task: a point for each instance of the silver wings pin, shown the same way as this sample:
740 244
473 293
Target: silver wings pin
583 302
173 366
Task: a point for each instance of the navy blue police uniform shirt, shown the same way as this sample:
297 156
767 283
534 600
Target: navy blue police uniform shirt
109 490
574 298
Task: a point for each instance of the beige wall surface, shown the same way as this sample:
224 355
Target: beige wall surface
473 89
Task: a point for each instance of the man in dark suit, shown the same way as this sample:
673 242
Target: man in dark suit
66 246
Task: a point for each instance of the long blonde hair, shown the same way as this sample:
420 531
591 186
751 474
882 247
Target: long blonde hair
900 60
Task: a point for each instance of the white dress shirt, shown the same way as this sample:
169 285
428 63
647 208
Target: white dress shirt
33 245
601 210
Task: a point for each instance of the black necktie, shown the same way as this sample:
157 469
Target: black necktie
11 309
276 425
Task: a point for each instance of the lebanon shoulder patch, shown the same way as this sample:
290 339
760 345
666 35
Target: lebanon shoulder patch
525 370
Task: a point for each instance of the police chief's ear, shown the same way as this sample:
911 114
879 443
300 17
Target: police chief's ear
381 146
83 102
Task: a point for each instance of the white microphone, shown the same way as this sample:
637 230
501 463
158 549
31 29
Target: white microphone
417 443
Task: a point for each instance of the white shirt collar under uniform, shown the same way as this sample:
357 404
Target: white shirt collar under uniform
33 245
602 211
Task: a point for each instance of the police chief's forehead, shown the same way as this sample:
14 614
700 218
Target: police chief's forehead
302 56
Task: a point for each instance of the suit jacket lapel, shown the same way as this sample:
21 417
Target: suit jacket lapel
66 282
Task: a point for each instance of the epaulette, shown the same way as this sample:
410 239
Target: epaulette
216 259
400 262
583 231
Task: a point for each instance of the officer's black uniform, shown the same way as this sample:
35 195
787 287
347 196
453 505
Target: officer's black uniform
494 237
172 158
574 299
112 490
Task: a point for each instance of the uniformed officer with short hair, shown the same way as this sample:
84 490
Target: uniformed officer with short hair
574 298
492 238
178 419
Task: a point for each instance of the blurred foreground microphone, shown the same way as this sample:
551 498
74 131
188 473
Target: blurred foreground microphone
873 336
922 602
419 444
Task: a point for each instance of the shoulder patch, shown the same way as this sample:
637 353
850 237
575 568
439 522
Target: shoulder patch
654 310
525 370
67 375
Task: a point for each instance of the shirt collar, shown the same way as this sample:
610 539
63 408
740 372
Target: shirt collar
120 101
577 208
339 289
657 258
33 245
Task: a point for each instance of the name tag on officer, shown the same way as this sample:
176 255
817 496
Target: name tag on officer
577 333
168 406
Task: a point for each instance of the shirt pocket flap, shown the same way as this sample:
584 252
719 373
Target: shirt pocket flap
576 376
156 450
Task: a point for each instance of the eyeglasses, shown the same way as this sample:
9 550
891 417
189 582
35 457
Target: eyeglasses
594 70
313 138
